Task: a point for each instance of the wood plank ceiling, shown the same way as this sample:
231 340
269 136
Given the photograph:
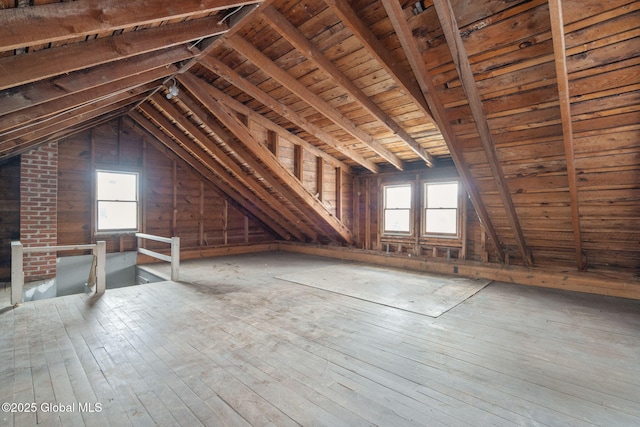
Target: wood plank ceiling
536 102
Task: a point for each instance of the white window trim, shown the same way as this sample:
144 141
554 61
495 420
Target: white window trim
423 211
411 209
97 231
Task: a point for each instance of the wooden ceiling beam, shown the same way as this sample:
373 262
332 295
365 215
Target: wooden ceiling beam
211 171
9 147
30 116
451 30
228 138
268 124
65 133
258 94
271 205
401 27
43 24
170 148
24 133
405 81
559 51
28 96
52 62
311 52
263 62
268 165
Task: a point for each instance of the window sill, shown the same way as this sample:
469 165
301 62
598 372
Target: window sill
115 233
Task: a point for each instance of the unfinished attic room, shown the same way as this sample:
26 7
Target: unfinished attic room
320 213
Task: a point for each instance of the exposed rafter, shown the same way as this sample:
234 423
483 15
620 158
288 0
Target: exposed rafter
68 131
16 99
559 49
65 59
304 46
350 18
214 172
458 53
277 208
323 107
279 173
394 10
26 133
23 119
58 22
59 128
268 124
237 80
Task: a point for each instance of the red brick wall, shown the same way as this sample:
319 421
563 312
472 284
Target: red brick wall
38 209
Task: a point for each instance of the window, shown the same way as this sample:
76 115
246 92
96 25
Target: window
397 209
441 208
116 201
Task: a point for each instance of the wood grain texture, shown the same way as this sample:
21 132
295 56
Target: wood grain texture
242 348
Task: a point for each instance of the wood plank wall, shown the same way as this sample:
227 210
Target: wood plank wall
475 246
175 201
367 191
511 53
317 175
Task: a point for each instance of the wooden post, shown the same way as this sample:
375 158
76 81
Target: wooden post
201 216
417 214
483 244
463 229
298 160
17 273
272 142
367 215
320 178
339 194
225 234
175 258
143 192
174 217
101 261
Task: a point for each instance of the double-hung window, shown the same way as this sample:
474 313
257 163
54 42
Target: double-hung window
397 209
117 201
441 209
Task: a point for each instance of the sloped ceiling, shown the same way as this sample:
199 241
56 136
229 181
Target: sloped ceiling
536 102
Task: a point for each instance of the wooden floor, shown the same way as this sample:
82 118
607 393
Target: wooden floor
238 347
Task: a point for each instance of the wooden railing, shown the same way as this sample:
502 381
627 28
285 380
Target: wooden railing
174 259
17 272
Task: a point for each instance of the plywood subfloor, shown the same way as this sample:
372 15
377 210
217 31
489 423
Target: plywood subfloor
421 293
238 347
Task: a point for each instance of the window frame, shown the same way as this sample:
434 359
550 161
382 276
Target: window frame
96 202
425 208
411 210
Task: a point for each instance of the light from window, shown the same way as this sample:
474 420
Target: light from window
117 201
397 208
441 208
